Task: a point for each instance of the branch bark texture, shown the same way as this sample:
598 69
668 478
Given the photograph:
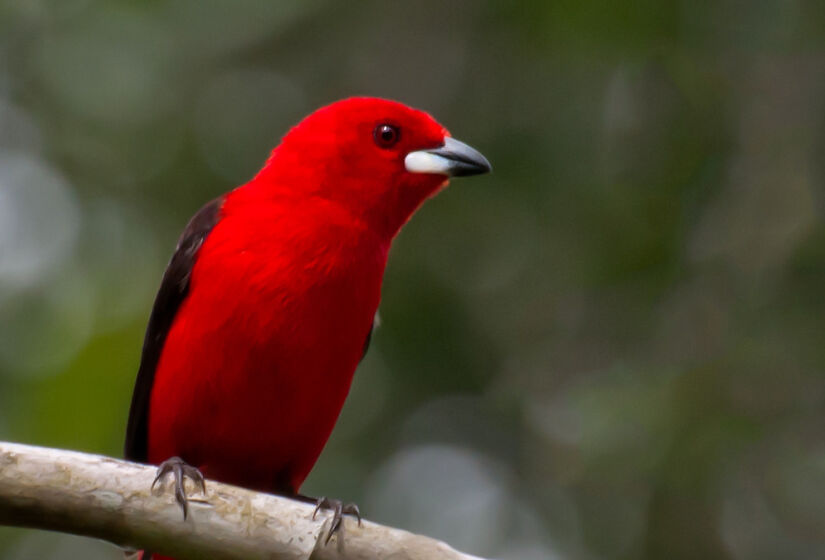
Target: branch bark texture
111 499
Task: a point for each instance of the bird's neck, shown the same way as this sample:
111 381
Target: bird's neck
383 210
310 215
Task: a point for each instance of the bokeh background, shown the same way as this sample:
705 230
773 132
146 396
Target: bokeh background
611 348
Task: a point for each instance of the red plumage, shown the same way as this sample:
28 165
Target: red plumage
252 367
260 358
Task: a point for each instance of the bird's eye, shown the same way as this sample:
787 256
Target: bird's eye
386 135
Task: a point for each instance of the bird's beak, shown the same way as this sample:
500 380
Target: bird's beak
454 159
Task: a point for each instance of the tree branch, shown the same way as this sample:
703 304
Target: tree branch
111 499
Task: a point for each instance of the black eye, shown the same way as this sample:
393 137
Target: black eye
386 135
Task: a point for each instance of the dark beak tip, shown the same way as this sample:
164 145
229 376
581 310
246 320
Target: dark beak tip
465 160
478 165
486 167
466 169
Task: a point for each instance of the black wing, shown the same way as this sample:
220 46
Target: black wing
172 292
369 338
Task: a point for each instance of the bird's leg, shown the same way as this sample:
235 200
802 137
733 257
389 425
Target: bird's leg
339 509
180 469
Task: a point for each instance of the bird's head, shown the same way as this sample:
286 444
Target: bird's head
379 159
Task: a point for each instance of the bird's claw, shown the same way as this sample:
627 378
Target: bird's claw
180 469
339 509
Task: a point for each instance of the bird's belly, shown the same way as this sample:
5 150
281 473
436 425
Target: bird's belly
268 428
249 392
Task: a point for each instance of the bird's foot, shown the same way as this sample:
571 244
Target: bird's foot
339 509
180 469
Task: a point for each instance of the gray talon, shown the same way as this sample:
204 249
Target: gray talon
180 469
339 509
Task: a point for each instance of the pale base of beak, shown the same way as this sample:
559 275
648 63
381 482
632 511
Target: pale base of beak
426 162
453 159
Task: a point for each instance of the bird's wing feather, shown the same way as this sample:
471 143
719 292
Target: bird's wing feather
172 292
367 342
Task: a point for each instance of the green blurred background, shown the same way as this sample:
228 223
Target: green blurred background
610 348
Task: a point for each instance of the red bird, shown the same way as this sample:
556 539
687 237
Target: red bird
267 305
